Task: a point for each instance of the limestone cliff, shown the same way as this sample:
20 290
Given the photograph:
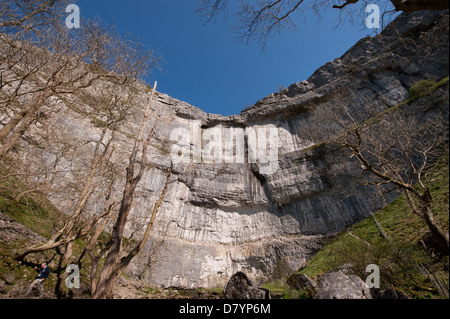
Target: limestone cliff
220 218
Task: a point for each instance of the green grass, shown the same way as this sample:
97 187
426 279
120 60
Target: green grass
217 290
37 213
403 261
279 289
419 90
425 87
33 210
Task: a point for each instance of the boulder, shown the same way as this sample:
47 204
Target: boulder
2 287
301 282
240 287
11 231
9 279
123 281
223 215
337 285
389 293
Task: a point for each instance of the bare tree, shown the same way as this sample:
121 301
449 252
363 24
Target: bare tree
47 60
42 61
260 20
112 107
25 15
115 262
76 226
394 150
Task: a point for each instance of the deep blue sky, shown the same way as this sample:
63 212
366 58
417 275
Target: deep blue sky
207 67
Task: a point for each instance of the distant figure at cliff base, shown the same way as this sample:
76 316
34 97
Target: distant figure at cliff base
44 272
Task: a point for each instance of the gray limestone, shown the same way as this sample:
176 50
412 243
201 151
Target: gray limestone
218 219
338 285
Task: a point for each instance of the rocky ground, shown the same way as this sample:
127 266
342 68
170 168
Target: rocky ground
233 216
14 282
127 290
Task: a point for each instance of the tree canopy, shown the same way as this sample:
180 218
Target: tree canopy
260 20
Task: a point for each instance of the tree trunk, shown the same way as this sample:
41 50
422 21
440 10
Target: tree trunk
111 268
380 228
125 261
109 272
63 235
13 122
21 124
37 249
440 236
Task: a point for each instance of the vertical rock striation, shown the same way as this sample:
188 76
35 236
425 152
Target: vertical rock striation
218 219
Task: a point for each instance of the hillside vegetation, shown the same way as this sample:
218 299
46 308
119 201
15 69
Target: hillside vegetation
35 219
405 260
406 263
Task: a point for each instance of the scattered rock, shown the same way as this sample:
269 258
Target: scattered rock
300 282
123 281
240 287
137 284
337 285
299 88
84 292
9 279
389 293
12 231
2 287
255 234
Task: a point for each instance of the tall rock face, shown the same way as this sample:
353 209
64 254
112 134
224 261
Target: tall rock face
221 218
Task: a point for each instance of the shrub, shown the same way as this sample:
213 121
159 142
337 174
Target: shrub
281 269
423 87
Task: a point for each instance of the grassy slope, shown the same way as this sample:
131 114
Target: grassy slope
404 261
37 213
34 211
398 260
